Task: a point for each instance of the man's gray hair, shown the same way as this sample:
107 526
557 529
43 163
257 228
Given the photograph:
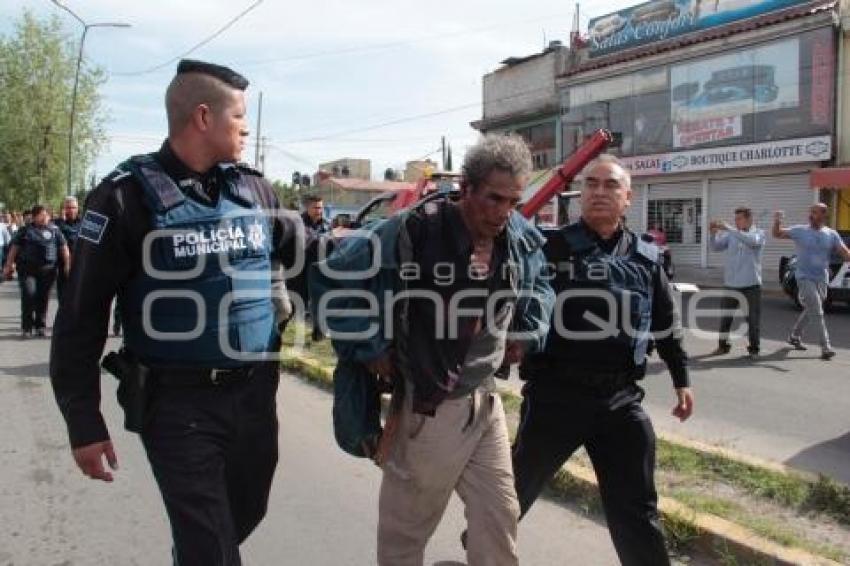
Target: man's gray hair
493 152
70 200
608 159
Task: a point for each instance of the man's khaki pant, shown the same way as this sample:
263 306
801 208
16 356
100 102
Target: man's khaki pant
464 447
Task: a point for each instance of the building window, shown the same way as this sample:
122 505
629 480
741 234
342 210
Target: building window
679 219
780 89
541 142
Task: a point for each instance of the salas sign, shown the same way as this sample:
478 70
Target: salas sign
658 20
801 150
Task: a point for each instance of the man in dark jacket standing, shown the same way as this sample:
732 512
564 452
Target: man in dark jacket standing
69 225
467 274
582 390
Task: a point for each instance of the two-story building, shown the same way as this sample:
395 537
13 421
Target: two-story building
714 104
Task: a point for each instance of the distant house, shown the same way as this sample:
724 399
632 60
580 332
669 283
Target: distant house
351 192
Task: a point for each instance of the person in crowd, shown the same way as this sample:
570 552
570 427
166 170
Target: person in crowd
69 225
36 252
477 266
815 243
582 388
184 229
742 246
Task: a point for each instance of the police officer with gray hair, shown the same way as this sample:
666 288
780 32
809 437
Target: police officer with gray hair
582 388
69 225
191 241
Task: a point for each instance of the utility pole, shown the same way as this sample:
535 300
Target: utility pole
443 149
257 135
86 27
262 155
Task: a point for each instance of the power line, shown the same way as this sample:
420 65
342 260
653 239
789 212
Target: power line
194 48
411 118
394 44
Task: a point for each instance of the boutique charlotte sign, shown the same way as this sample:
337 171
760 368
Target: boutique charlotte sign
801 150
658 20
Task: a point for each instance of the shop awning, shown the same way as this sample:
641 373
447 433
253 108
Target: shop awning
830 178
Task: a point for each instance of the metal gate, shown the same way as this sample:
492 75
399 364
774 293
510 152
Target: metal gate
764 195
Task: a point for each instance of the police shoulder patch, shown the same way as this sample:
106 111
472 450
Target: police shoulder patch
93 226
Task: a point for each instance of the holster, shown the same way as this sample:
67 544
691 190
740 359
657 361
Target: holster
134 387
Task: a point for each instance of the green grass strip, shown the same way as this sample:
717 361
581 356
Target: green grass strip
805 495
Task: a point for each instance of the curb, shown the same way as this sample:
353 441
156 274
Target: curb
712 534
731 454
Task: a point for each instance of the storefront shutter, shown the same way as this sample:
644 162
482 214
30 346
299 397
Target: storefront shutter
764 195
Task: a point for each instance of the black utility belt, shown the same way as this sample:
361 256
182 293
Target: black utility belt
32 268
205 377
582 377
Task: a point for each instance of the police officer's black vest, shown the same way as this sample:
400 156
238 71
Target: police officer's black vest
71 231
39 247
203 296
603 309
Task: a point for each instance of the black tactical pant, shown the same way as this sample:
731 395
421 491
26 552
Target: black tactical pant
752 296
620 441
61 281
35 284
213 450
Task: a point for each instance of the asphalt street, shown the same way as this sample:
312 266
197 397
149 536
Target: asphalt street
323 508
788 407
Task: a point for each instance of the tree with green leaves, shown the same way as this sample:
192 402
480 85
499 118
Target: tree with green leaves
37 66
287 194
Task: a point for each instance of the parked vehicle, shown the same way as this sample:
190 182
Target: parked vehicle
737 83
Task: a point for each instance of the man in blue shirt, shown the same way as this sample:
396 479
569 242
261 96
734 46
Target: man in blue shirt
815 244
742 246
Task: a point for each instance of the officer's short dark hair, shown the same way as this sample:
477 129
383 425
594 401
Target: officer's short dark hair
196 83
220 72
37 209
310 199
747 212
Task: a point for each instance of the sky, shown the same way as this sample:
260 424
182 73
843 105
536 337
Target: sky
375 79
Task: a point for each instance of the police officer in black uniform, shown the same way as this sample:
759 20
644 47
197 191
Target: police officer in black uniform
191 242
69 225
582 390
36 252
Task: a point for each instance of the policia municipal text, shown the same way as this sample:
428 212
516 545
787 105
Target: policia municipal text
205 412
